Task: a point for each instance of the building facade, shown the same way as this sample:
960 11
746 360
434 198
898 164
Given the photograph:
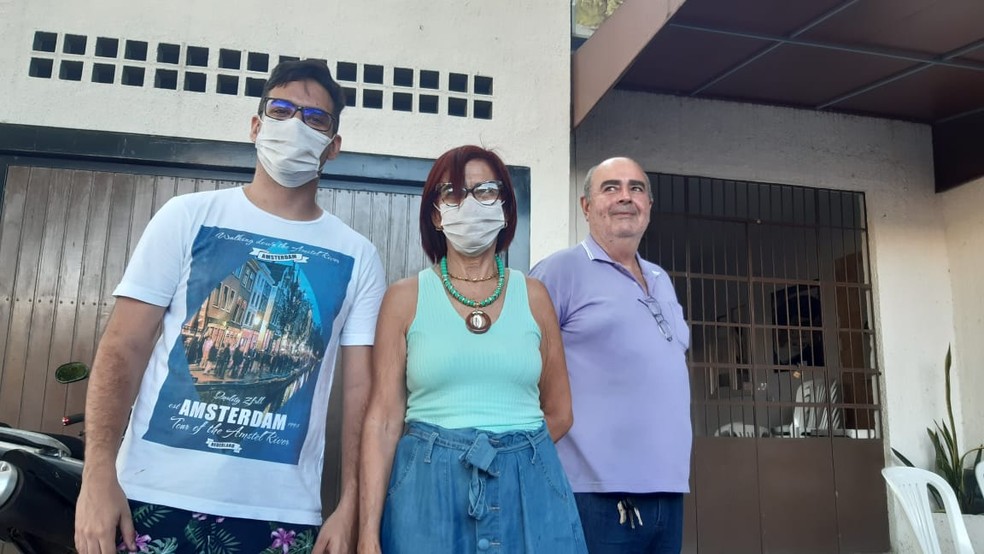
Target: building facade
111 110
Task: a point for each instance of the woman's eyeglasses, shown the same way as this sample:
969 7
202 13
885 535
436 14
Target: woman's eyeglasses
486 193
657 312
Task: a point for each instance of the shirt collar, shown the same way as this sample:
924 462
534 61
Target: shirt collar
595 252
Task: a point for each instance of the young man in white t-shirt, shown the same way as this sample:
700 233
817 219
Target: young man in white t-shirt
223 341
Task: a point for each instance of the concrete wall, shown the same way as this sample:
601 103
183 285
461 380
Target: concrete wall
524 46
963 213
891 163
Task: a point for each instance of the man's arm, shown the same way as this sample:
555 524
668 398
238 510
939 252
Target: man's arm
121 359
387 408
338 532
337 535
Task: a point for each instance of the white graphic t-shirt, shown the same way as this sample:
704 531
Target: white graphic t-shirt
230 419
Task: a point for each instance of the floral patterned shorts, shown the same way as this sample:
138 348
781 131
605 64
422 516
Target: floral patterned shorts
161 529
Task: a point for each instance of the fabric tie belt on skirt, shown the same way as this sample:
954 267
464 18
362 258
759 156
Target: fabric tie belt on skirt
478 456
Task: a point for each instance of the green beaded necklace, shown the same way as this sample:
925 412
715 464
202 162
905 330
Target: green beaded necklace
478 321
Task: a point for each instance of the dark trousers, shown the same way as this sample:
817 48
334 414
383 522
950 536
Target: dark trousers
606 531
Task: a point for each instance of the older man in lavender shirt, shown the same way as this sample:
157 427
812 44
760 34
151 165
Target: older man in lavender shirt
628 453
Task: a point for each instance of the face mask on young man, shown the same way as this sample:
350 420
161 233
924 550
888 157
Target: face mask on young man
472 227
290 151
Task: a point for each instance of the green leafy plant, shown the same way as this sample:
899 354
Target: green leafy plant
950 462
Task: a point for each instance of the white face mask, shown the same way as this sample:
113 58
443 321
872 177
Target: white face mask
472 227
290 151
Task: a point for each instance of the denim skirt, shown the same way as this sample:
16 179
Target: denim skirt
468 490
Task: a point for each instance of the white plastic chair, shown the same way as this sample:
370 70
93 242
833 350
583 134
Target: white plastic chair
796 427
813 420
909 484
831 419
740 429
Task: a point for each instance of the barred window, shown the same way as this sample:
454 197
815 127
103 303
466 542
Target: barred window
775 283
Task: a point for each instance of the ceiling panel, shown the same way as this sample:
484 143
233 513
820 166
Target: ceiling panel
735 47
681 60
932 94
804 76
773 17
975 55
929 26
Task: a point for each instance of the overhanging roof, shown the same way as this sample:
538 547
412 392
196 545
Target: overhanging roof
915 60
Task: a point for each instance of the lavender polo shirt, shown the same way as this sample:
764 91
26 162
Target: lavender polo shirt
630 385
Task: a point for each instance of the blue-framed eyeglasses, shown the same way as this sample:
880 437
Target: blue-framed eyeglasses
315 118
664 326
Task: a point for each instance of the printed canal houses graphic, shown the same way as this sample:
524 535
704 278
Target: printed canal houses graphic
242 376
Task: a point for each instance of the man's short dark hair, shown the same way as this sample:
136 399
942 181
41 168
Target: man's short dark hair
306 70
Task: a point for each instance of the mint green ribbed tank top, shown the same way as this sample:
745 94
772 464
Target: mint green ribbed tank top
457 379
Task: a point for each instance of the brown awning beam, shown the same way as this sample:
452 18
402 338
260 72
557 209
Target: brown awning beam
601 61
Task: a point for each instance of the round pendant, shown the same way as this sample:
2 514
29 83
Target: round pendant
478 322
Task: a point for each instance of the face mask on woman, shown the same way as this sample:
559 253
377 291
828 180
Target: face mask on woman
472 227
290 151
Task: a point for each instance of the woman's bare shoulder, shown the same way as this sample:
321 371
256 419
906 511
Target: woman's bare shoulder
540 302
404 290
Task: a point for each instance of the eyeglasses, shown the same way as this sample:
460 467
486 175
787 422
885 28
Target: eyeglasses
315 118
486 193
664 326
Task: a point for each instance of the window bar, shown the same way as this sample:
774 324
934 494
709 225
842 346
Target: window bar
706 198
852 205
859 276
673 241
816 268
728 200
771 245
830 209
748 344
793 242
865 260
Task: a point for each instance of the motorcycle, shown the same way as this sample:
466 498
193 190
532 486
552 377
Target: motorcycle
40 479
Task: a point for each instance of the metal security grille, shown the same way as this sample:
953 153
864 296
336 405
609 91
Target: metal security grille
775 282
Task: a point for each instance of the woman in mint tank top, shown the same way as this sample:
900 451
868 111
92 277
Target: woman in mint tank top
470 388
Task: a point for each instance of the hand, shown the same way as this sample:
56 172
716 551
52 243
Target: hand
101 510
336 534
